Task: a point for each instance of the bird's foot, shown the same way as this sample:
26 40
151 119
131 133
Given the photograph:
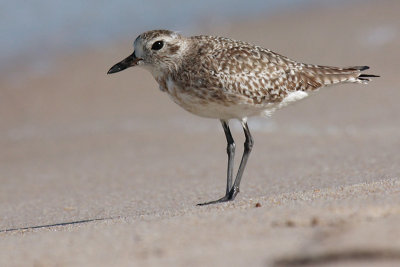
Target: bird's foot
228 197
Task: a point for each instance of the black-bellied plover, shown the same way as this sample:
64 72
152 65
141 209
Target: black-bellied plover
220 78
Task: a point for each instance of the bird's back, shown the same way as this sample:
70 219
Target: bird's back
258 74
229 72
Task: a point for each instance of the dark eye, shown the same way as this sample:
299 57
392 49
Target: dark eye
157 45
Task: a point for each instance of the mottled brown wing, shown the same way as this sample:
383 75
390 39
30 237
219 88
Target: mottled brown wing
259 74
225 68
242 71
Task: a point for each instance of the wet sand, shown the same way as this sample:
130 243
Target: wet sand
101 170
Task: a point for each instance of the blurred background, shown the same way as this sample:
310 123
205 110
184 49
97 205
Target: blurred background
65 124
54 53
77 144
36 31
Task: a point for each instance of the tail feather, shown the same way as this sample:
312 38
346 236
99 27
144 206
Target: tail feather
332 75
360 68
364 77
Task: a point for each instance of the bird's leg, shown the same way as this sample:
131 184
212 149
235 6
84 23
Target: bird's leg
232 191
248 145
230 149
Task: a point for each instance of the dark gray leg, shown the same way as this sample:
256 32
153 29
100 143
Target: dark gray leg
230 149
248 145
232 191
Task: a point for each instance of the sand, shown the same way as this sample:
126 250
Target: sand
101 170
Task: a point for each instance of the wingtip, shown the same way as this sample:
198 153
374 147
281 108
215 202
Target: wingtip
361 68
368 75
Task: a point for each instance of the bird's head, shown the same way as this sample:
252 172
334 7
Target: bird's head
157 50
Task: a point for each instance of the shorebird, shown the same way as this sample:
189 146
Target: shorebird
221 78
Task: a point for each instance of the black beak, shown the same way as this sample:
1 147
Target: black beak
130 61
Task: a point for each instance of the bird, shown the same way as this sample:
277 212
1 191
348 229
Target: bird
221 78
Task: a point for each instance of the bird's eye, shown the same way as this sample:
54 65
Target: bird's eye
157 45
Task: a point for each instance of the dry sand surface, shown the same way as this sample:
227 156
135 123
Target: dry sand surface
101 170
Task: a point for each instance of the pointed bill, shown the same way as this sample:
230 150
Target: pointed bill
130 61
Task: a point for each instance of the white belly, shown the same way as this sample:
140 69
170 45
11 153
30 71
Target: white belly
212 108
209 108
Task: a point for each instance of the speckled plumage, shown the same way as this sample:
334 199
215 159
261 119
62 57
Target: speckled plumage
222 78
